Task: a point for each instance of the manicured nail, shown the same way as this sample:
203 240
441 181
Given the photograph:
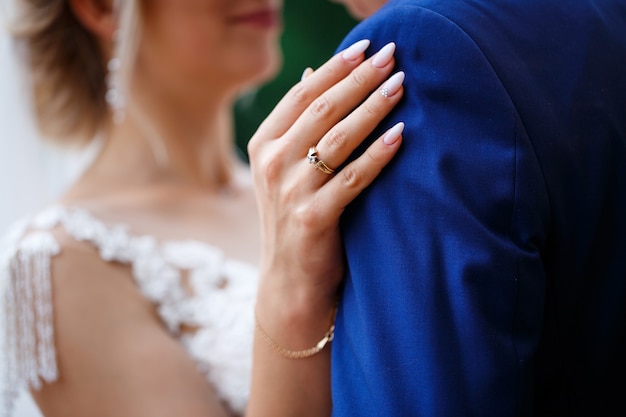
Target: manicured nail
307 71
383 57
393 134
392 85
355 50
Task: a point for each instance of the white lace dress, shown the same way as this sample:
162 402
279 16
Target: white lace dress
191 283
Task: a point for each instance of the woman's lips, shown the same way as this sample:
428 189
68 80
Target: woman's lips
261 18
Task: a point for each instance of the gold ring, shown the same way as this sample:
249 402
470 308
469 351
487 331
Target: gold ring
317 162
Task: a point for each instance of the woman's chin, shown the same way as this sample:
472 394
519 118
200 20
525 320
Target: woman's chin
262 73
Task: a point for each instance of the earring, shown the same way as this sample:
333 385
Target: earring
114 94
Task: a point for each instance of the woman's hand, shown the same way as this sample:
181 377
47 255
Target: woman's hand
302 258
332 110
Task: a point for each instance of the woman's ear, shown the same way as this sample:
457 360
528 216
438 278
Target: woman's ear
97 16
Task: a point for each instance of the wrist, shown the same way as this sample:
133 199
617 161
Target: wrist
300 353
295 318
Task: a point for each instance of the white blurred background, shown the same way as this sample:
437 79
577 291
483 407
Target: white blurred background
32 173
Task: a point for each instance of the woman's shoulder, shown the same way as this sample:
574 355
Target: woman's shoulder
54 230
27 248
53 275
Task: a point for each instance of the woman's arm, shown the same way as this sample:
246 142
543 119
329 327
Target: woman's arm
302 261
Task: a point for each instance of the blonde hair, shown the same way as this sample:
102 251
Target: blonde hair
67 67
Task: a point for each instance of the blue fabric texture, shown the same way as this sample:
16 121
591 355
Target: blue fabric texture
487 264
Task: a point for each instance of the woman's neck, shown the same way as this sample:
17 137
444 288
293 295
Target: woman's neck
167 145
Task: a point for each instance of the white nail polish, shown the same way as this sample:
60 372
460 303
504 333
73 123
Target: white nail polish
393 134
383 57
355 50
392 85
307 71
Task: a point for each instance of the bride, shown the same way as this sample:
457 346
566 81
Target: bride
166 281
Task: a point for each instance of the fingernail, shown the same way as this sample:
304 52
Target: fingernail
393 134
307 71
392 85
355 50
383 57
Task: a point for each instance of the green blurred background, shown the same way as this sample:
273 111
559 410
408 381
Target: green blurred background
312 31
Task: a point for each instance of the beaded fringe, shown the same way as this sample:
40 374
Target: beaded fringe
29 354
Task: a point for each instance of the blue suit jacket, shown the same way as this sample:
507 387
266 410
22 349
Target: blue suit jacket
487 264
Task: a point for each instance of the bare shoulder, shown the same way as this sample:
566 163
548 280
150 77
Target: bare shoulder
114 355
89 292
80 275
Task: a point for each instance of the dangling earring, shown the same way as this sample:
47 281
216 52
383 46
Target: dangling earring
114 94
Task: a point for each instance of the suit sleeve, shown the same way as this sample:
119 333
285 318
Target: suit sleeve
442 306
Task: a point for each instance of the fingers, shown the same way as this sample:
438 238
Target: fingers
312 85
327 110
347 184
337 145
334 104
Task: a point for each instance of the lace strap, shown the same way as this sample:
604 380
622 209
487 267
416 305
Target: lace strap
30 355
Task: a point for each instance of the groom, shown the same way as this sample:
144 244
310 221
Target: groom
487 264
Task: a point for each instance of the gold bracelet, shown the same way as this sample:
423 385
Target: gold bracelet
296 354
